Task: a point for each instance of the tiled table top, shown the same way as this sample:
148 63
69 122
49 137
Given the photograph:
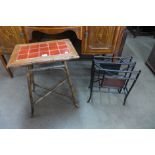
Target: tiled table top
42 52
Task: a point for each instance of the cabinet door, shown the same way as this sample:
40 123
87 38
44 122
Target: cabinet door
101 39
10 36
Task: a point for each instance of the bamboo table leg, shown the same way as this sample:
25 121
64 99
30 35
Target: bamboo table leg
31 77
30 89
70 84
31 85
4 63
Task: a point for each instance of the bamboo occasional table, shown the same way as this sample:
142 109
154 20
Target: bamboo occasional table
39 54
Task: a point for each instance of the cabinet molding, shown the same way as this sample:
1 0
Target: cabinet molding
52 30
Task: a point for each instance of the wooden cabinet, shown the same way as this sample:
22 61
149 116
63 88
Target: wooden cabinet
95 39
103 40
10 36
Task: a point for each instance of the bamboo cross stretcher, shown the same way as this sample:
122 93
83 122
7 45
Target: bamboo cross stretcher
64 53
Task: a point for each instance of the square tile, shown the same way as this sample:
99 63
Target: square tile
53 47
63 47
44 48
33 55
43 45
34 46
33 50
44 53
22 56
54 52
23 51
24 47
64 51
53 44
61 43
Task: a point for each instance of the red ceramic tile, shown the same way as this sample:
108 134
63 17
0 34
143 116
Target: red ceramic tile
64 51
53 44
61 43
44 53
33 50
53 47
24 47
33 55
34 46
23 51
44 45
22 56
44 49
54 52
63 47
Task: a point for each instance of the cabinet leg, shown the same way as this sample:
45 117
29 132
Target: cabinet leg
4 63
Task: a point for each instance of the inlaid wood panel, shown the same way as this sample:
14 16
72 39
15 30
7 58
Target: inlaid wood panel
101 39
10 36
